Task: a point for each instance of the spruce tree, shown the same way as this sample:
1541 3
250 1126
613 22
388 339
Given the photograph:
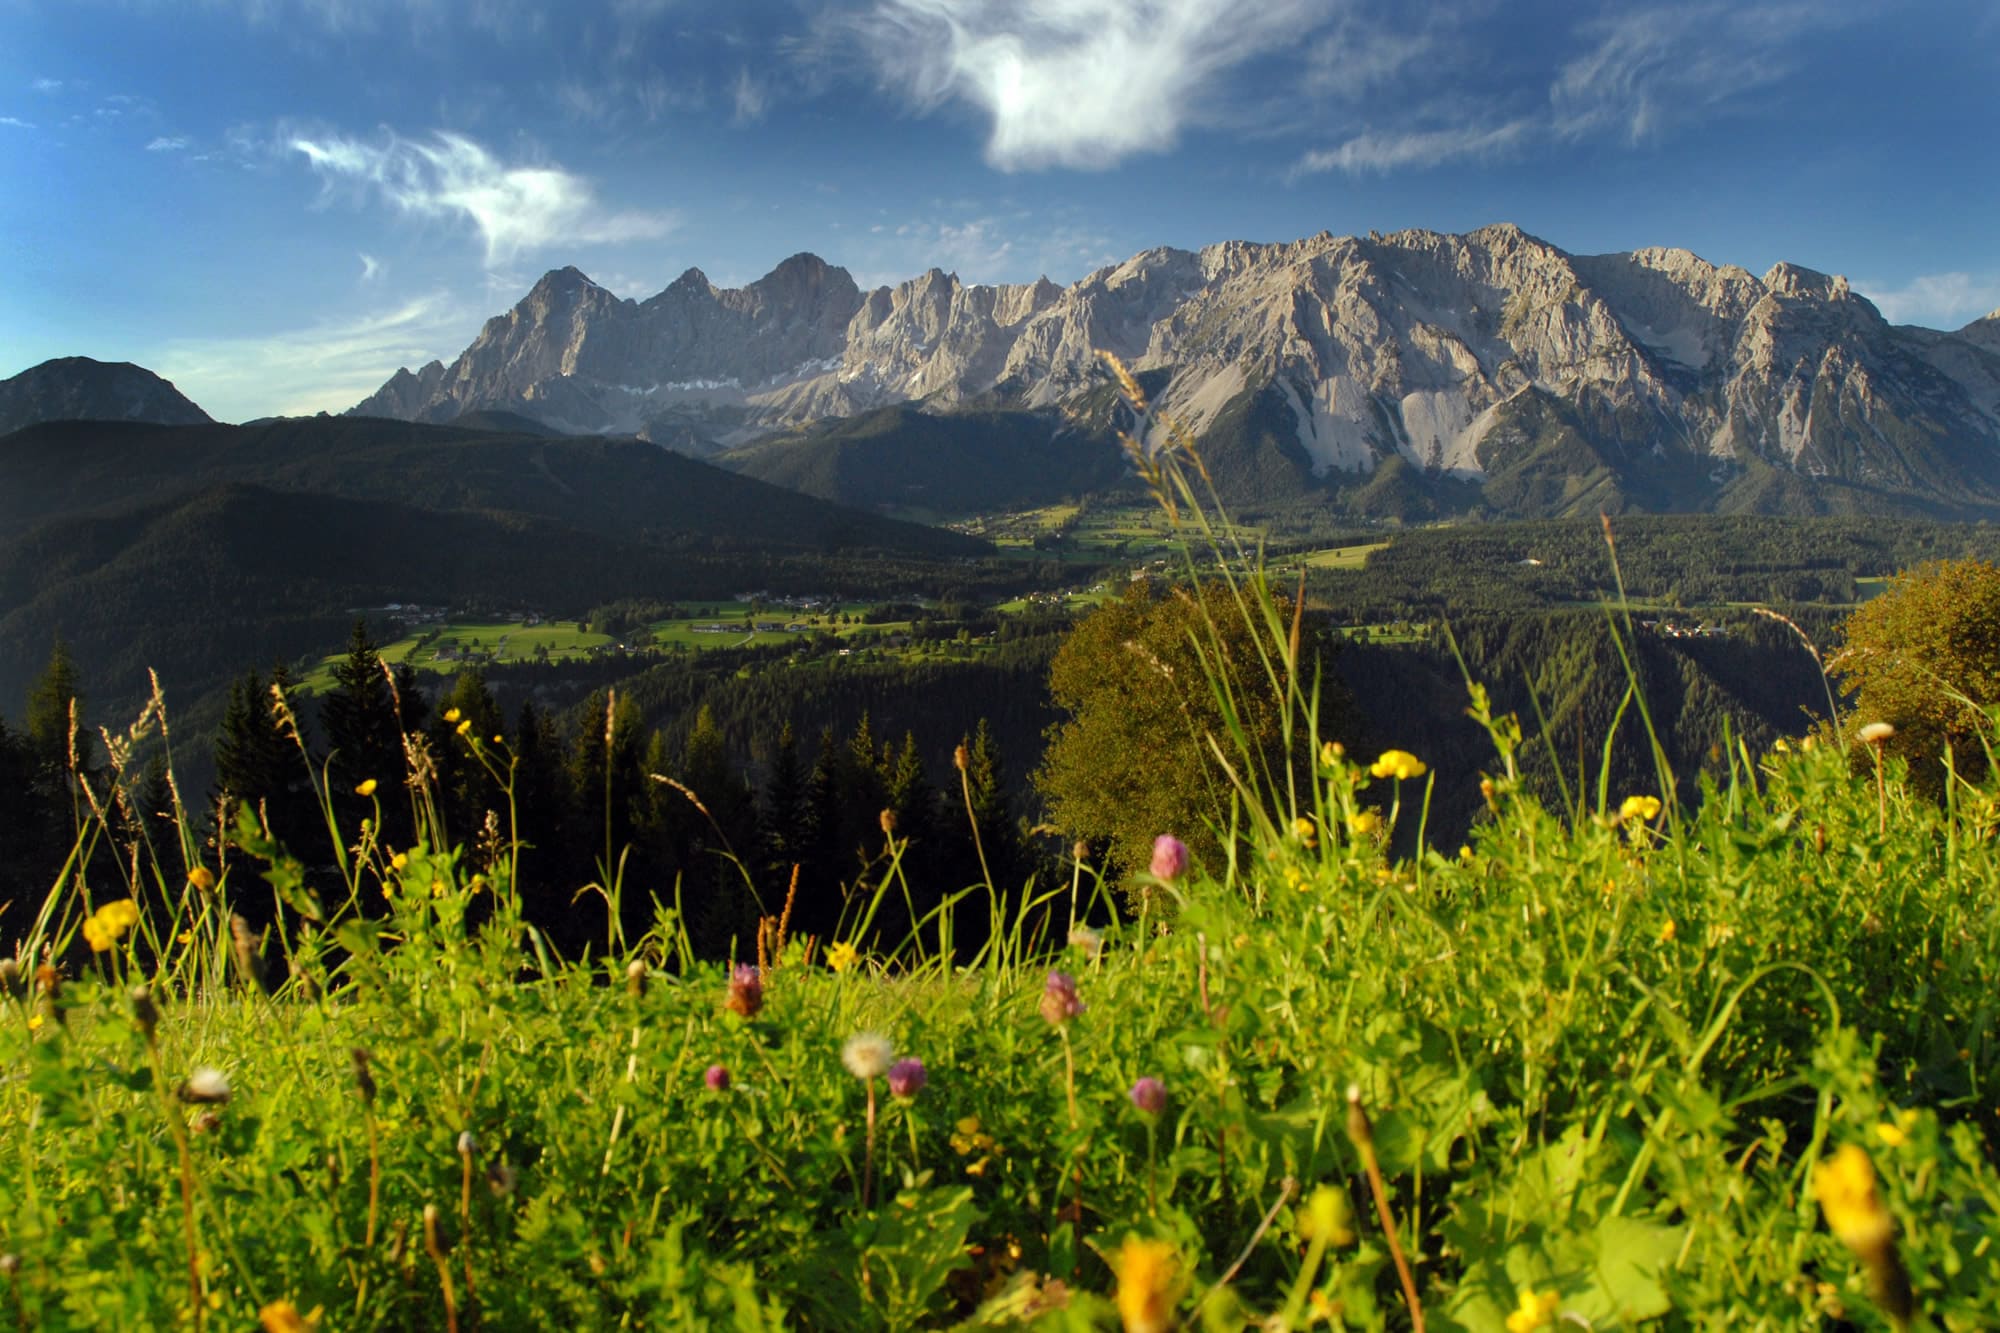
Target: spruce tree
364 739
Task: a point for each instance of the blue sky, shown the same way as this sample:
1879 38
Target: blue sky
275 203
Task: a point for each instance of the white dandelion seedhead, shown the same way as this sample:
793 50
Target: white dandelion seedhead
868 1055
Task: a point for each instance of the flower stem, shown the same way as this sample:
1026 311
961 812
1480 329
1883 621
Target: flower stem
868 1160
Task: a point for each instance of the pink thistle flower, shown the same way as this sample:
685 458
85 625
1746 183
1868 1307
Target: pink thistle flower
1170 857
1149 1095
907 1077
746 990
717 1078
1060 1002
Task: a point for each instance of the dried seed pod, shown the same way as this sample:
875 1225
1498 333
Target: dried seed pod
144 1012
363 1080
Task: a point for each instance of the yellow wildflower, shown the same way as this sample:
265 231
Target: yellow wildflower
367 787
1327 1218
465 727
1332 753
1398 764
398 861
1844 1184
1305 831
842 956
1465 853
1895 1133
1149 1284
1298 878
1668 931
1537 1309
35 1022
1639 807
451 715
284 1317
202 878
1364 824
104 926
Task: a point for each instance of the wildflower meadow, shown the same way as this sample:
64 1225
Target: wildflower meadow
1615 1064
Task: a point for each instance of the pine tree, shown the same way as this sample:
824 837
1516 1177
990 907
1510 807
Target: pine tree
785 831
364 738
56 699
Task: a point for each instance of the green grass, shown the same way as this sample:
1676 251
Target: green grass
1342 557
1599 1058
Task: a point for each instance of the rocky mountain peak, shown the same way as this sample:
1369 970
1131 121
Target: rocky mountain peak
1476 356
1792 280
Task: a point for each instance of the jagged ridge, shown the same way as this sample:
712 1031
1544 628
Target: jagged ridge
1653 379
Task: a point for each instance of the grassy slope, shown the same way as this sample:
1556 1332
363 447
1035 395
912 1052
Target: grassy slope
1598 1062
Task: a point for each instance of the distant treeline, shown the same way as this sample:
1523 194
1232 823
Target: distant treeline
1691 560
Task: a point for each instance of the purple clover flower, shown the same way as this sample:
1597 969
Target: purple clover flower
717 1078
1170 857
1060 1002
907 1077
746 990
1149 1095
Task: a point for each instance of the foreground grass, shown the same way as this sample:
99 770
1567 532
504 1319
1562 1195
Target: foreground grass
1600 1064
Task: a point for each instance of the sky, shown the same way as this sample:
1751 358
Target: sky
276 203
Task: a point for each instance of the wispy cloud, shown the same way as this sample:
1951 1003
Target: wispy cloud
371 267
1936 300
14 122
1373 152
750 96
167 144
1677 63
326 367
1076 83
515 208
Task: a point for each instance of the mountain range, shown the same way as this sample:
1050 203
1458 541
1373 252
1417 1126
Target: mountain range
1411 374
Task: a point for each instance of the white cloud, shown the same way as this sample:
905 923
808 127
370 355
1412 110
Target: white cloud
327 367
16 123
371 267
1936 300
514 208
47 85
1076 83
1671 63
1357 57
167 144
750 97
1373 152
